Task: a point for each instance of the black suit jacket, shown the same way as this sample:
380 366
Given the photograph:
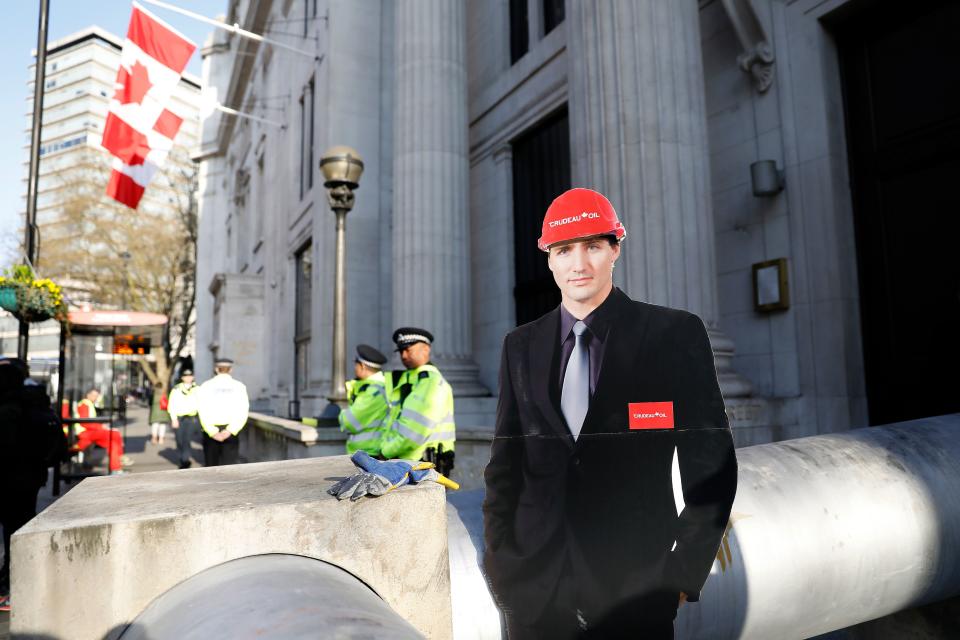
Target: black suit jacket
603 506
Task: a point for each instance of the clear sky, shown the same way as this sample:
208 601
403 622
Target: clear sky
18 38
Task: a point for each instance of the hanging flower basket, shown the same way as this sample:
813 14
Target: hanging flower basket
30 299
8 299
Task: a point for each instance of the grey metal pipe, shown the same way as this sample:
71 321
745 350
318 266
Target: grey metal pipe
827 532
831 531
270 596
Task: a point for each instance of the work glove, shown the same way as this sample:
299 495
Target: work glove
378 477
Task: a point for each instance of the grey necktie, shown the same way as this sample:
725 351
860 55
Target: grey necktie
575 393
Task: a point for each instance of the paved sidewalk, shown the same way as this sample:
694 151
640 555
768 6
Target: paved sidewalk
146 457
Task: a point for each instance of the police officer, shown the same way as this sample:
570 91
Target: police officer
365 417
183 414
222 405
421 418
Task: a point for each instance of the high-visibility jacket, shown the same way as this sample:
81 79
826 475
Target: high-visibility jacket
85 409
183 399
366 417
421 415
222 402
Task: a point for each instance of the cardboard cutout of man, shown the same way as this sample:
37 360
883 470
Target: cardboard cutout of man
583 538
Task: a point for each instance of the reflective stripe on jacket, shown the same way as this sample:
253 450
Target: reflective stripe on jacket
222 401
421 420
367 414
183 400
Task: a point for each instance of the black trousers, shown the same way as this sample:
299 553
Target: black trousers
17 508
649 619
216 453
188 427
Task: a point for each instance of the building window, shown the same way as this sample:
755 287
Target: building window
306 139
553 14
309 12
301 330
65 144
519 30
541 170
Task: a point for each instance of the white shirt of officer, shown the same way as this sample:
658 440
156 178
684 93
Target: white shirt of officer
223 401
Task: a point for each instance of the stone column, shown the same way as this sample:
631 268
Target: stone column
638 134
431 245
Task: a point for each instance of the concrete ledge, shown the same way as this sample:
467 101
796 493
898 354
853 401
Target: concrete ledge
112 545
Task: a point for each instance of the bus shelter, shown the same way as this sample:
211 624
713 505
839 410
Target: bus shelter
101 350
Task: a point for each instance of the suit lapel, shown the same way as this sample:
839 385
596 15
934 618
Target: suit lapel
543 348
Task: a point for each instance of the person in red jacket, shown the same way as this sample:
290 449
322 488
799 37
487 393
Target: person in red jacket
99 434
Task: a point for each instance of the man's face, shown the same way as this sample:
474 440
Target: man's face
187 379
583 269
416 355
93 396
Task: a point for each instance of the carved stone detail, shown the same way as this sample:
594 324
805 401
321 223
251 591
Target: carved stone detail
757 58
340 197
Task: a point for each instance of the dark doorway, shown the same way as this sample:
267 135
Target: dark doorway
899 66
541 172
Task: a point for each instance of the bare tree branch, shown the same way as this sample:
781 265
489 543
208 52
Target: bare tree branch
84 243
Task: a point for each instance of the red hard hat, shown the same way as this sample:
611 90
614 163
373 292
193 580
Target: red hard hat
579 213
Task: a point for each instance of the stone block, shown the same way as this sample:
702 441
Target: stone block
731 166
758 369
776 231
112 545
750 333
739 248
735 292
786 374
734 207
730 126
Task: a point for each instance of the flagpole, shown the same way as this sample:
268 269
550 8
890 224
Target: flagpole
30 223
234 28
250 116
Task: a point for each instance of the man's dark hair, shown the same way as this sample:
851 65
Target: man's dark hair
613 240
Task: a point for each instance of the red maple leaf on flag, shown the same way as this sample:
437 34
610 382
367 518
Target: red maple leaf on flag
134 84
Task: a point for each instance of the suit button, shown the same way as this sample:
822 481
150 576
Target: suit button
576 460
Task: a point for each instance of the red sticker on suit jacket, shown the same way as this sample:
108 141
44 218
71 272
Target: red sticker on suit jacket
651 415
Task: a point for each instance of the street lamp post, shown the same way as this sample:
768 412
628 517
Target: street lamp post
125 256
33 180
342 168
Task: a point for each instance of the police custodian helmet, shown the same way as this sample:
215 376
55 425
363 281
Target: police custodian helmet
406 336
370 357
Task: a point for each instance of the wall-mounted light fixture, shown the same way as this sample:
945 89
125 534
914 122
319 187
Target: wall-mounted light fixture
766 179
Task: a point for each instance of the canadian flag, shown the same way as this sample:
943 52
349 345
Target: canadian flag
139 131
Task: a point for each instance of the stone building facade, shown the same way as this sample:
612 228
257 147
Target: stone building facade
471 114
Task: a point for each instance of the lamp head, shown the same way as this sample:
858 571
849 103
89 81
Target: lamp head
341 166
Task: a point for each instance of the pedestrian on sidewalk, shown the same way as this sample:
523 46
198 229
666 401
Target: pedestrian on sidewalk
183 414
222 406
159 416
30 440
99 433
